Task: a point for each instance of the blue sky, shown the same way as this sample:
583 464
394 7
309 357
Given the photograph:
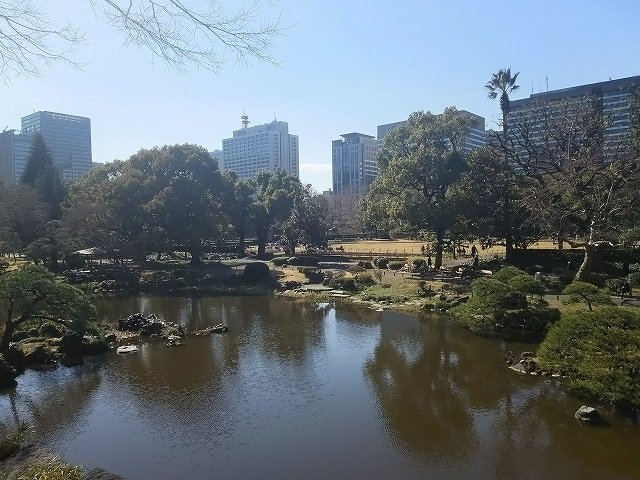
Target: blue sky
345 66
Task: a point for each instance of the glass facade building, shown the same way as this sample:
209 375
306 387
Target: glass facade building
14 150
353 163
68 138
611 98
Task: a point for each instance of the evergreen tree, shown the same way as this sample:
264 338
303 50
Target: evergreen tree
42 175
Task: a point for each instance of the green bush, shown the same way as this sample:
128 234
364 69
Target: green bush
418 263
254 272
634 279
312 273
597 279
356 269
364 280
279 261
343 282
305 261
396 265
505 273
381 262
598 351
588 293
366 265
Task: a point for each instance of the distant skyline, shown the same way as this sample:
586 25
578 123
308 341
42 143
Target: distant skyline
345 67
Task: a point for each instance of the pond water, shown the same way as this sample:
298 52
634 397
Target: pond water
300 390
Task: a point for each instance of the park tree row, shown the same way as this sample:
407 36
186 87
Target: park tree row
161 200
557 174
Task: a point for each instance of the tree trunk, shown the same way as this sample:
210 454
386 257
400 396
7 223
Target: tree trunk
9 328
591 252
262 244
196 255
439 246
241 239
508 233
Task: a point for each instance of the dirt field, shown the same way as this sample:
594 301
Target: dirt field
413 248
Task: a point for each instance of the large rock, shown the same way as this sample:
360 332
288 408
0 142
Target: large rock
8 374
37 352
588 414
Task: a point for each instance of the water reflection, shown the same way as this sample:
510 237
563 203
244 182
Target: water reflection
413 374
301 389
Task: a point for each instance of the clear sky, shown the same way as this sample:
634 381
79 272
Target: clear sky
345 66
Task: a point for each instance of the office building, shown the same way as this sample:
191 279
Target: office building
14 151
68 139
353 163
612 98
267 147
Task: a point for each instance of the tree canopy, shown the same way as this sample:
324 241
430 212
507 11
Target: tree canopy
420 163
32 293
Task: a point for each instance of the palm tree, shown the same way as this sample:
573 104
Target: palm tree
502 83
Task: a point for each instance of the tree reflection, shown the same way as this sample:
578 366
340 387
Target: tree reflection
415 381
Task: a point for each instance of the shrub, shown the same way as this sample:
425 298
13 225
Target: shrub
256 271
396 265
587 292
525 284
597 279
343 282
364 264
356 269
364 280
312 273
598 353
306 261
279 261
418 263
634 279
377 273
505 273
381 262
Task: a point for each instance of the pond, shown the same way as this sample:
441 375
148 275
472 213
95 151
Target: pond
303 390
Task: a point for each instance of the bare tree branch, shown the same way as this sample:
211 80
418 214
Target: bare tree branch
176 34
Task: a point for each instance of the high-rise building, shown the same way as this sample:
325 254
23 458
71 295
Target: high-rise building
476 137
14 150
68 139
353 163
612 99
267 147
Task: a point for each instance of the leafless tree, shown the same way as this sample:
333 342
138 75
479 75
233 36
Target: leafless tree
578 177
176 34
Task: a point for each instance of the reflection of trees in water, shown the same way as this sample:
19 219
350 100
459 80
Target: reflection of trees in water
56 399
291 329
421 401
355 314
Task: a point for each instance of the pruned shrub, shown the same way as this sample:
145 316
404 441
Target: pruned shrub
304 261
396 265
364 264
356 269
280 261
381 262
312 273
256 271
597 351
597 279
343 282
364 280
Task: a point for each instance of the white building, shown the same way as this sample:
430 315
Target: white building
353 163
267 147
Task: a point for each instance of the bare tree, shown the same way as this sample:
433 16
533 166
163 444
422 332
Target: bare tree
176 34
580 179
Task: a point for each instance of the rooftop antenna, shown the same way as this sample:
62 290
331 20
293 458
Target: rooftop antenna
245 120
547 80
274 117
532 88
